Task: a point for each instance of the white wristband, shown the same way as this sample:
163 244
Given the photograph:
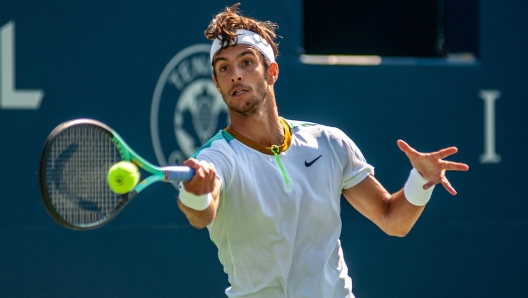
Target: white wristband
193 201
414 191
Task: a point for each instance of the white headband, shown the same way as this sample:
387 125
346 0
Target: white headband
246 37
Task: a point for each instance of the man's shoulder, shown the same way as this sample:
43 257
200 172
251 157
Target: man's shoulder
219 140
299 124
314 128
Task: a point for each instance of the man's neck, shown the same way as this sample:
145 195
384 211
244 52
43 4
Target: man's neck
264 127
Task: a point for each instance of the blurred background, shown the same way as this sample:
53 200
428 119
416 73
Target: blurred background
434 73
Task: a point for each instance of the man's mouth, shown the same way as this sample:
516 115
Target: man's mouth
238 92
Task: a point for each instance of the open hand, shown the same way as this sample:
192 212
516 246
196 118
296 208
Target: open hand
432 166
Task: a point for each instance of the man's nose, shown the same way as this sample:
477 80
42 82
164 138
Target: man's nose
236 75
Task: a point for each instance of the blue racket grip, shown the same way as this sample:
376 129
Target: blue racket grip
178 173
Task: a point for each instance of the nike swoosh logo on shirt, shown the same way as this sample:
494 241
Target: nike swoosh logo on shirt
307 164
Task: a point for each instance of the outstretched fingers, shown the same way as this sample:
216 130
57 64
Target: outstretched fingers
432 166
448 186
442 179
443 153
454 166
407 149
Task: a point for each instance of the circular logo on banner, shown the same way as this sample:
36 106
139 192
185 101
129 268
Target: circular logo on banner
186 110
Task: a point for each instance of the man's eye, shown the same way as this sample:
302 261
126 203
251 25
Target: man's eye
248 62
223 68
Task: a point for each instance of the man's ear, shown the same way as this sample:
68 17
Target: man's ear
213 77
273 73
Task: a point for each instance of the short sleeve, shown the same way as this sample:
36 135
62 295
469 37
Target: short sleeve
217 155
353 164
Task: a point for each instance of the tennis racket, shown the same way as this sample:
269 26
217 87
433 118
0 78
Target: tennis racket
73 174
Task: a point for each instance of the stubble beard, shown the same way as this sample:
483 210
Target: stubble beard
252 106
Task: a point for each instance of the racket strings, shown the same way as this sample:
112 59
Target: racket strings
77 170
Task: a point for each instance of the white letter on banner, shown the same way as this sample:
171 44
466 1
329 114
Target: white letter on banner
489 97
10 98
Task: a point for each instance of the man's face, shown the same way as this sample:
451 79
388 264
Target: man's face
240 78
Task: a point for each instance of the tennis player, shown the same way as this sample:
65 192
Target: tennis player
268 189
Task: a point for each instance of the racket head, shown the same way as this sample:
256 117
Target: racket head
73 175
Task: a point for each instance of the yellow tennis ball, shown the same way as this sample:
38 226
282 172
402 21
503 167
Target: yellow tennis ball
123 177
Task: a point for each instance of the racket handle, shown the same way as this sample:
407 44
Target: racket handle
178 173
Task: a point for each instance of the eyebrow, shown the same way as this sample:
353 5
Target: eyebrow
238 56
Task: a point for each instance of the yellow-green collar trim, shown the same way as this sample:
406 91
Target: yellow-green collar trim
266 150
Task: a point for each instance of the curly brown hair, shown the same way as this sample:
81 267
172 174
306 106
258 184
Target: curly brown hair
228 21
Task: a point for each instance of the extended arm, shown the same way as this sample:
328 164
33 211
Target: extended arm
390 212
203 183
393 213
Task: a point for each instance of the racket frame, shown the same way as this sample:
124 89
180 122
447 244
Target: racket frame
127 154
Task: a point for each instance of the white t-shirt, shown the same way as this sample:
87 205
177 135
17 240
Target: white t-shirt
277 231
